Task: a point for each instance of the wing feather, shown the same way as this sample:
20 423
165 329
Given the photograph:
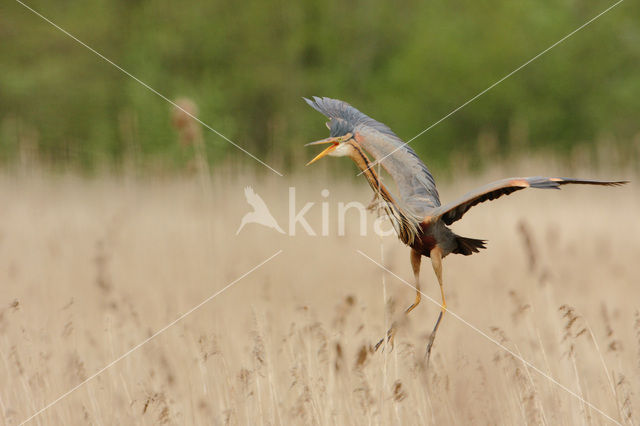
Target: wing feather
453 211
415 183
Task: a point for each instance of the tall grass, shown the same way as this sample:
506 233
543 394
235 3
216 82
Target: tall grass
89 268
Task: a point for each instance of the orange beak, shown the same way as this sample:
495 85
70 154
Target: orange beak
334 143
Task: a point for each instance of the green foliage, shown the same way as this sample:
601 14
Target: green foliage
247 65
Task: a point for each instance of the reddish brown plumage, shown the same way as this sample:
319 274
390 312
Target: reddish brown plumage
426 244
432 237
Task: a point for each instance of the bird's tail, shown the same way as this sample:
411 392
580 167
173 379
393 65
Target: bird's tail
468 246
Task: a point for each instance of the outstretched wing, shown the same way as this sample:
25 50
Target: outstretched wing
452 212
415 183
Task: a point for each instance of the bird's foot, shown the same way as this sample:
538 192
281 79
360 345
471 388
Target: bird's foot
375 205
390 338
432 338
427 354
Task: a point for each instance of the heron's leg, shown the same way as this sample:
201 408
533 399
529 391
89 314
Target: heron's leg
436 262
416 258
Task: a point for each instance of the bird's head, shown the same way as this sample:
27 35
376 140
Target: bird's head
339 146
343 120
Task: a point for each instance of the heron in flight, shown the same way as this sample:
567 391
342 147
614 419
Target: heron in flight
417 215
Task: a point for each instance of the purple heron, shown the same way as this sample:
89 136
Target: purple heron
416 214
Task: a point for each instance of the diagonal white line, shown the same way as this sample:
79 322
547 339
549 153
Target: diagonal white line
145 85
495 84
147 340
500 345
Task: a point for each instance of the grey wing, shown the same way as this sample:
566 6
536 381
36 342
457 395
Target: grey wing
454 211
415 183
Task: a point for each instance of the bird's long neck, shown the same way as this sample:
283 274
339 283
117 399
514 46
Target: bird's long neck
405 225
364 164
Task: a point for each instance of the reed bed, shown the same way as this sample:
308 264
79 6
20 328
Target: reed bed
89 268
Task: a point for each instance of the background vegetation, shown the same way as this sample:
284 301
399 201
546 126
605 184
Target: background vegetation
247 66
92 267
89 268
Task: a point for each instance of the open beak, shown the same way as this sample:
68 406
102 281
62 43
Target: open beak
334 143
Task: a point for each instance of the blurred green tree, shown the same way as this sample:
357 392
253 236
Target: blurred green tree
247 66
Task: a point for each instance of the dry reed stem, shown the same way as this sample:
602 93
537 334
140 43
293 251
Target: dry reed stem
87 271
